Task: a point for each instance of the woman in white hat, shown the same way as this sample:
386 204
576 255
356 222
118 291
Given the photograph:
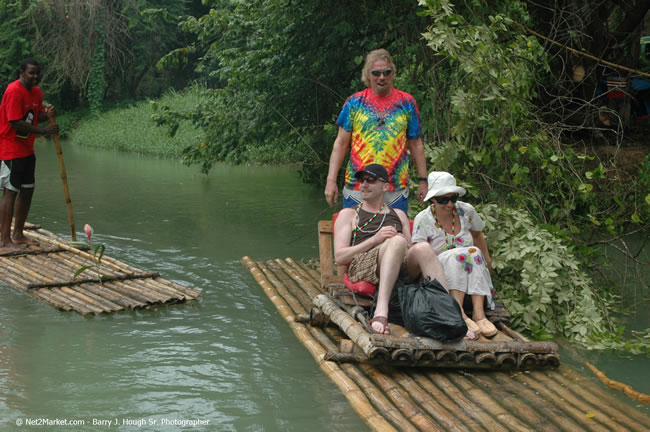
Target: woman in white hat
453 229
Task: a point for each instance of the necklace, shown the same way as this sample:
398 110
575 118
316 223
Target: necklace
448 244
358 228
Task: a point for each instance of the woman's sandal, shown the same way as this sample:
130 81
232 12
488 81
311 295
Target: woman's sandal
472 326
381 320
487 328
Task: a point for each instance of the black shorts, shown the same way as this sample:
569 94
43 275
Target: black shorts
18 173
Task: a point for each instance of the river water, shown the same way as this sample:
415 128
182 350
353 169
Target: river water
229 359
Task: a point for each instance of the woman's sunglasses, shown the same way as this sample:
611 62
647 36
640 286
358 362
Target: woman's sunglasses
386 73
445 199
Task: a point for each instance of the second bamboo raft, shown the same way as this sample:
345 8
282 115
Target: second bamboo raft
46 272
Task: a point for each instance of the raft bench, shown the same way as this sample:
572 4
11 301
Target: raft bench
507 350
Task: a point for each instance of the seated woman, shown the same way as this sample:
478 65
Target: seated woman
453 229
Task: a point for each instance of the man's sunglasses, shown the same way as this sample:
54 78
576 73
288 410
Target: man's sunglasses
445 199
386 73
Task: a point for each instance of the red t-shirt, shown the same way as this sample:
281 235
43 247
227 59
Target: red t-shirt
18 103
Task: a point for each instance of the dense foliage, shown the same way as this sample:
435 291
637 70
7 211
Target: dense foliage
93 51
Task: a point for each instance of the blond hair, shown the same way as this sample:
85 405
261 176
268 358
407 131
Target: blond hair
371 58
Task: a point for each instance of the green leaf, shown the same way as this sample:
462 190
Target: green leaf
81 270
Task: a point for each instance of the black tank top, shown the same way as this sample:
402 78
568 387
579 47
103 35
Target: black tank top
381 220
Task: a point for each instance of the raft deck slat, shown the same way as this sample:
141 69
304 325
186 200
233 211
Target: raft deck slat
410 399
46 272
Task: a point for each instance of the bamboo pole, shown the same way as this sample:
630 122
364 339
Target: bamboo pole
189 292
16 275
401 399
64 179
50 299
426 400
488 404
348 325
311 285
75 304
29 272
616 385
296 306
444 384
313 273
112 296
138 299
550 409
511 400
595 389
91 303
350 390
378 398
107 304
574 408
301 303
462 416
607 408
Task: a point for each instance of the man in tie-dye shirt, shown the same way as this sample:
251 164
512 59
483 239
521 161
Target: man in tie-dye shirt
383 125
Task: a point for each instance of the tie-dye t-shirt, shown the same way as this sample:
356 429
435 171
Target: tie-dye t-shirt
380 127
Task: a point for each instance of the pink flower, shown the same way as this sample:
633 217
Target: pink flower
88 230
478 259
461 258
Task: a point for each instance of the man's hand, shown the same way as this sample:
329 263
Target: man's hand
385 233
331 193
422 192
49 110
51 129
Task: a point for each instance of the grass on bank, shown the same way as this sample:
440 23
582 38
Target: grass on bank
131 129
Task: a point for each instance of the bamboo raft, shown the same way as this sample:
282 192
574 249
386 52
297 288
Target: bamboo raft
46 272
450 389
392 398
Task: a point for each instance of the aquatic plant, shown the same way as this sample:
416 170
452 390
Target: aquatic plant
98 253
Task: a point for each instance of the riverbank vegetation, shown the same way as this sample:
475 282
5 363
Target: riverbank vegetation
511 98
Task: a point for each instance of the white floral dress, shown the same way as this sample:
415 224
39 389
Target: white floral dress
463 263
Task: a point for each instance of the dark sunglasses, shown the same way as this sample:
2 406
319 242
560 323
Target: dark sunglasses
445 200
369 180
386 73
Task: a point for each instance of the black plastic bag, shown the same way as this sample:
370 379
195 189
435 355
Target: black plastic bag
429 310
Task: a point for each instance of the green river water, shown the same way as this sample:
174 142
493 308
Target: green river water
228 362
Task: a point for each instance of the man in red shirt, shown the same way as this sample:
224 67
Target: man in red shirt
20 112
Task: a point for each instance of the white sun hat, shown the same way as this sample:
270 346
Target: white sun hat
440 183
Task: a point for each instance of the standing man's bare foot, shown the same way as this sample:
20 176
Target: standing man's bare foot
22 240
11 247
